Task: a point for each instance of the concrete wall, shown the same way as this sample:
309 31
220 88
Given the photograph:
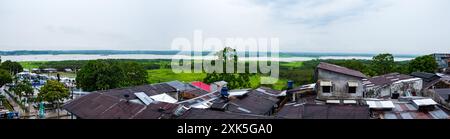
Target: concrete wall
340 85
402 86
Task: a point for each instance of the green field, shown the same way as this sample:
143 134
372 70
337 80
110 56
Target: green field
31 65
165 74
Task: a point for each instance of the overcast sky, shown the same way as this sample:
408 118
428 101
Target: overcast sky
367 26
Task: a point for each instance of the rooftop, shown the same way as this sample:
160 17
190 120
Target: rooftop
339 69
202 85
258 101
212 114
103 106
320 111
149 90
385 79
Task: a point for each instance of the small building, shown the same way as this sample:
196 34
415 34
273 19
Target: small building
442 60
261 101
336 82
392 85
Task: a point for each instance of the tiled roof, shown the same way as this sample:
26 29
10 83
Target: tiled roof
339 69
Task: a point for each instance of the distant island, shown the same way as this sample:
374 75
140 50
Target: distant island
171 52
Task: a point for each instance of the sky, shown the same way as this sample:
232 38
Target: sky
356 26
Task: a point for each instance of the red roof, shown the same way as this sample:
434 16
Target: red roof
202 85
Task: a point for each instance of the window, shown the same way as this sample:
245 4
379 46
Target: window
352 86
351 89
326 86
326 89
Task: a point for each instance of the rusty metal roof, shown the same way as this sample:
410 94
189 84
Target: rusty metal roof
339 69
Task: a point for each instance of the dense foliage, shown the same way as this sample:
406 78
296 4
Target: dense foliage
5 77
423 64
108 74
12 67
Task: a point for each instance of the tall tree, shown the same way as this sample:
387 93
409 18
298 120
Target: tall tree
5 77
23 88
53 92
234 79
383 63
424 63
12 67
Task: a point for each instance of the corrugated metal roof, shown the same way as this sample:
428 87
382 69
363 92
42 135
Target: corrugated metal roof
339 69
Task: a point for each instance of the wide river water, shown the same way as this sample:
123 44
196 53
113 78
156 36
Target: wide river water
63 57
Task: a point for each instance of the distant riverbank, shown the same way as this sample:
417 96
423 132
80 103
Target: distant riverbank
64 57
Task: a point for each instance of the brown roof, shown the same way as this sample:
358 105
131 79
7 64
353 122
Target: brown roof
103 106
386 79
336 112
150 90
212 114
319 111
256 102
339 69
444 92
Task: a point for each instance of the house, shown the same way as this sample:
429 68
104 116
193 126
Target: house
105 106
321 111
392 85
442 60
334 82
407 108
260 101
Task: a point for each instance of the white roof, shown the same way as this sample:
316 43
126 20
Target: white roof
238 92
380 104
202 105
424 102
144 98
164 98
